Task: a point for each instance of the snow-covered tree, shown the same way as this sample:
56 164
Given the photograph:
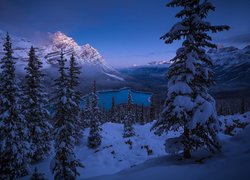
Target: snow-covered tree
136 113
152 110
188 106
112 112
142 119
64 164
75 95
14 145
94 139
87 112
129 119
35 112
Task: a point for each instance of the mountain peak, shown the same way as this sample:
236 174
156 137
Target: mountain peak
62 41
84 53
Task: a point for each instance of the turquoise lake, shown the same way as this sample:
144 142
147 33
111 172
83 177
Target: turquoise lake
121 96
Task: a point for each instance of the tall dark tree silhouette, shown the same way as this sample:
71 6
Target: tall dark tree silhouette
188 105
35 111
75 96
142 119
94 139
152 109
14 145
113 117
129 119
87 112
242 106
64 164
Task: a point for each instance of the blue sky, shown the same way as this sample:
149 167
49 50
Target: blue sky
126 32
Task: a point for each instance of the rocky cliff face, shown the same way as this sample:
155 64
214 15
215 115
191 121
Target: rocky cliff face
51 52
92 62
84 54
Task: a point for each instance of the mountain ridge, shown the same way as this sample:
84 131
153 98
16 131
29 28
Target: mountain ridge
94 65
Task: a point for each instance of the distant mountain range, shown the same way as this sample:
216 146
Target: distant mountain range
231 67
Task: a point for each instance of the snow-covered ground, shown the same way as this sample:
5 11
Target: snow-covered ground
232 164
146 158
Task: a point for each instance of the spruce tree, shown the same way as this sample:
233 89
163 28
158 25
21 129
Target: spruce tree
129 119
87 113
64 164
35 112
136 113
94 139
152 110
113 112
142 120
242 106
188 105
75 96
14 145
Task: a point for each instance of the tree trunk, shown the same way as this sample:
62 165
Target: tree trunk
186 153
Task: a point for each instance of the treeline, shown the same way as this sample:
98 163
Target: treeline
224 106
233 105
117 112
31 123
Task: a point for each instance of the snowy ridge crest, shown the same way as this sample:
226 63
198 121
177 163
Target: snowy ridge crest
84 54
51 52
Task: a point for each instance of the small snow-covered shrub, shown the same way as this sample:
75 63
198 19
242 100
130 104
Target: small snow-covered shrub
234 124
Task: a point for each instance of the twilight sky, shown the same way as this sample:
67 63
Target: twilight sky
125 32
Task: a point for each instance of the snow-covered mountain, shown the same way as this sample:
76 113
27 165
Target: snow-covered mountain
84 54
232 71
92 62
159 62
230 56
232 67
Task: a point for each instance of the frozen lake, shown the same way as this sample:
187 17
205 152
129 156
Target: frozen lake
121 96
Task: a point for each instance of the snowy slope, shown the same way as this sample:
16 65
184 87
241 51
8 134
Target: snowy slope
116 155
233 164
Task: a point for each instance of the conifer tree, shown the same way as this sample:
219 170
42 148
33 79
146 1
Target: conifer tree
14 145
152 110
129 119
112 110
35 112
94 139
64 164
242 106
142 120
87 112
136 113
188 105
75 96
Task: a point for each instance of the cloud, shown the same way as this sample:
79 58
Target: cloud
239 39
153 54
